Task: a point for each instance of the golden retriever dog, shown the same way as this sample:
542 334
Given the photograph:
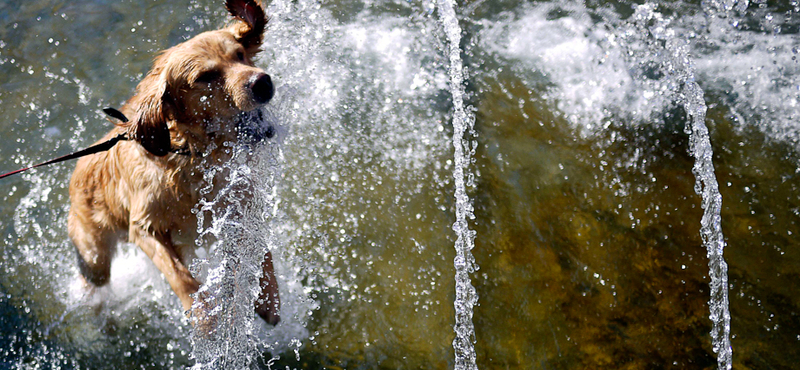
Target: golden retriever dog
187 106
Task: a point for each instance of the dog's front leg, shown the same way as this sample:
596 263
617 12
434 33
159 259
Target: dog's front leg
158 246
268 303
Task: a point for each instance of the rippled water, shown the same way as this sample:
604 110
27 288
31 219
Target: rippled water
586 221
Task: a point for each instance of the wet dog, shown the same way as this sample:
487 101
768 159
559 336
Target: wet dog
143 190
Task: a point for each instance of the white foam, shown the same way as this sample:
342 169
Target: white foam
595 73
135 282
395 49
579 58
758 75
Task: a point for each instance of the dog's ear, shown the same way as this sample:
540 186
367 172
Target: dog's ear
149 125
252 22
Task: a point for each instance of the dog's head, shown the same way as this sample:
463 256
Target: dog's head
198 88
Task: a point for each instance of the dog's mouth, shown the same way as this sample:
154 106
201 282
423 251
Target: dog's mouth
253 127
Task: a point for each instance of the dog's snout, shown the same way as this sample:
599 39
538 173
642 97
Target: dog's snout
262 89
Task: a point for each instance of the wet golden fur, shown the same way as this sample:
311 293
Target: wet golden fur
144 189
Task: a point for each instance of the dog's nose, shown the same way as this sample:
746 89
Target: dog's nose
262 89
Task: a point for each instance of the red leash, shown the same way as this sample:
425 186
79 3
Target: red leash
106 145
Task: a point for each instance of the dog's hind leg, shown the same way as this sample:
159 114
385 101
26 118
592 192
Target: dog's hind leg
95 248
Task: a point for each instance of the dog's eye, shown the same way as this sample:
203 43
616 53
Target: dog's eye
240 56
208 77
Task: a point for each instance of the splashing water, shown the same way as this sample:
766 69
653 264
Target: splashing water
466 297
238 224
238 236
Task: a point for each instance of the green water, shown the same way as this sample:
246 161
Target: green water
587 239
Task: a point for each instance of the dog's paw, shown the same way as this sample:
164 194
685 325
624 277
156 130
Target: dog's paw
268 311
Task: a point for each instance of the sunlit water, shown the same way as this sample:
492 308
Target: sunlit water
587 224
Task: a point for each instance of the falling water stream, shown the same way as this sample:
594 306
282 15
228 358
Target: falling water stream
670 51
564 147
466 297
711 230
